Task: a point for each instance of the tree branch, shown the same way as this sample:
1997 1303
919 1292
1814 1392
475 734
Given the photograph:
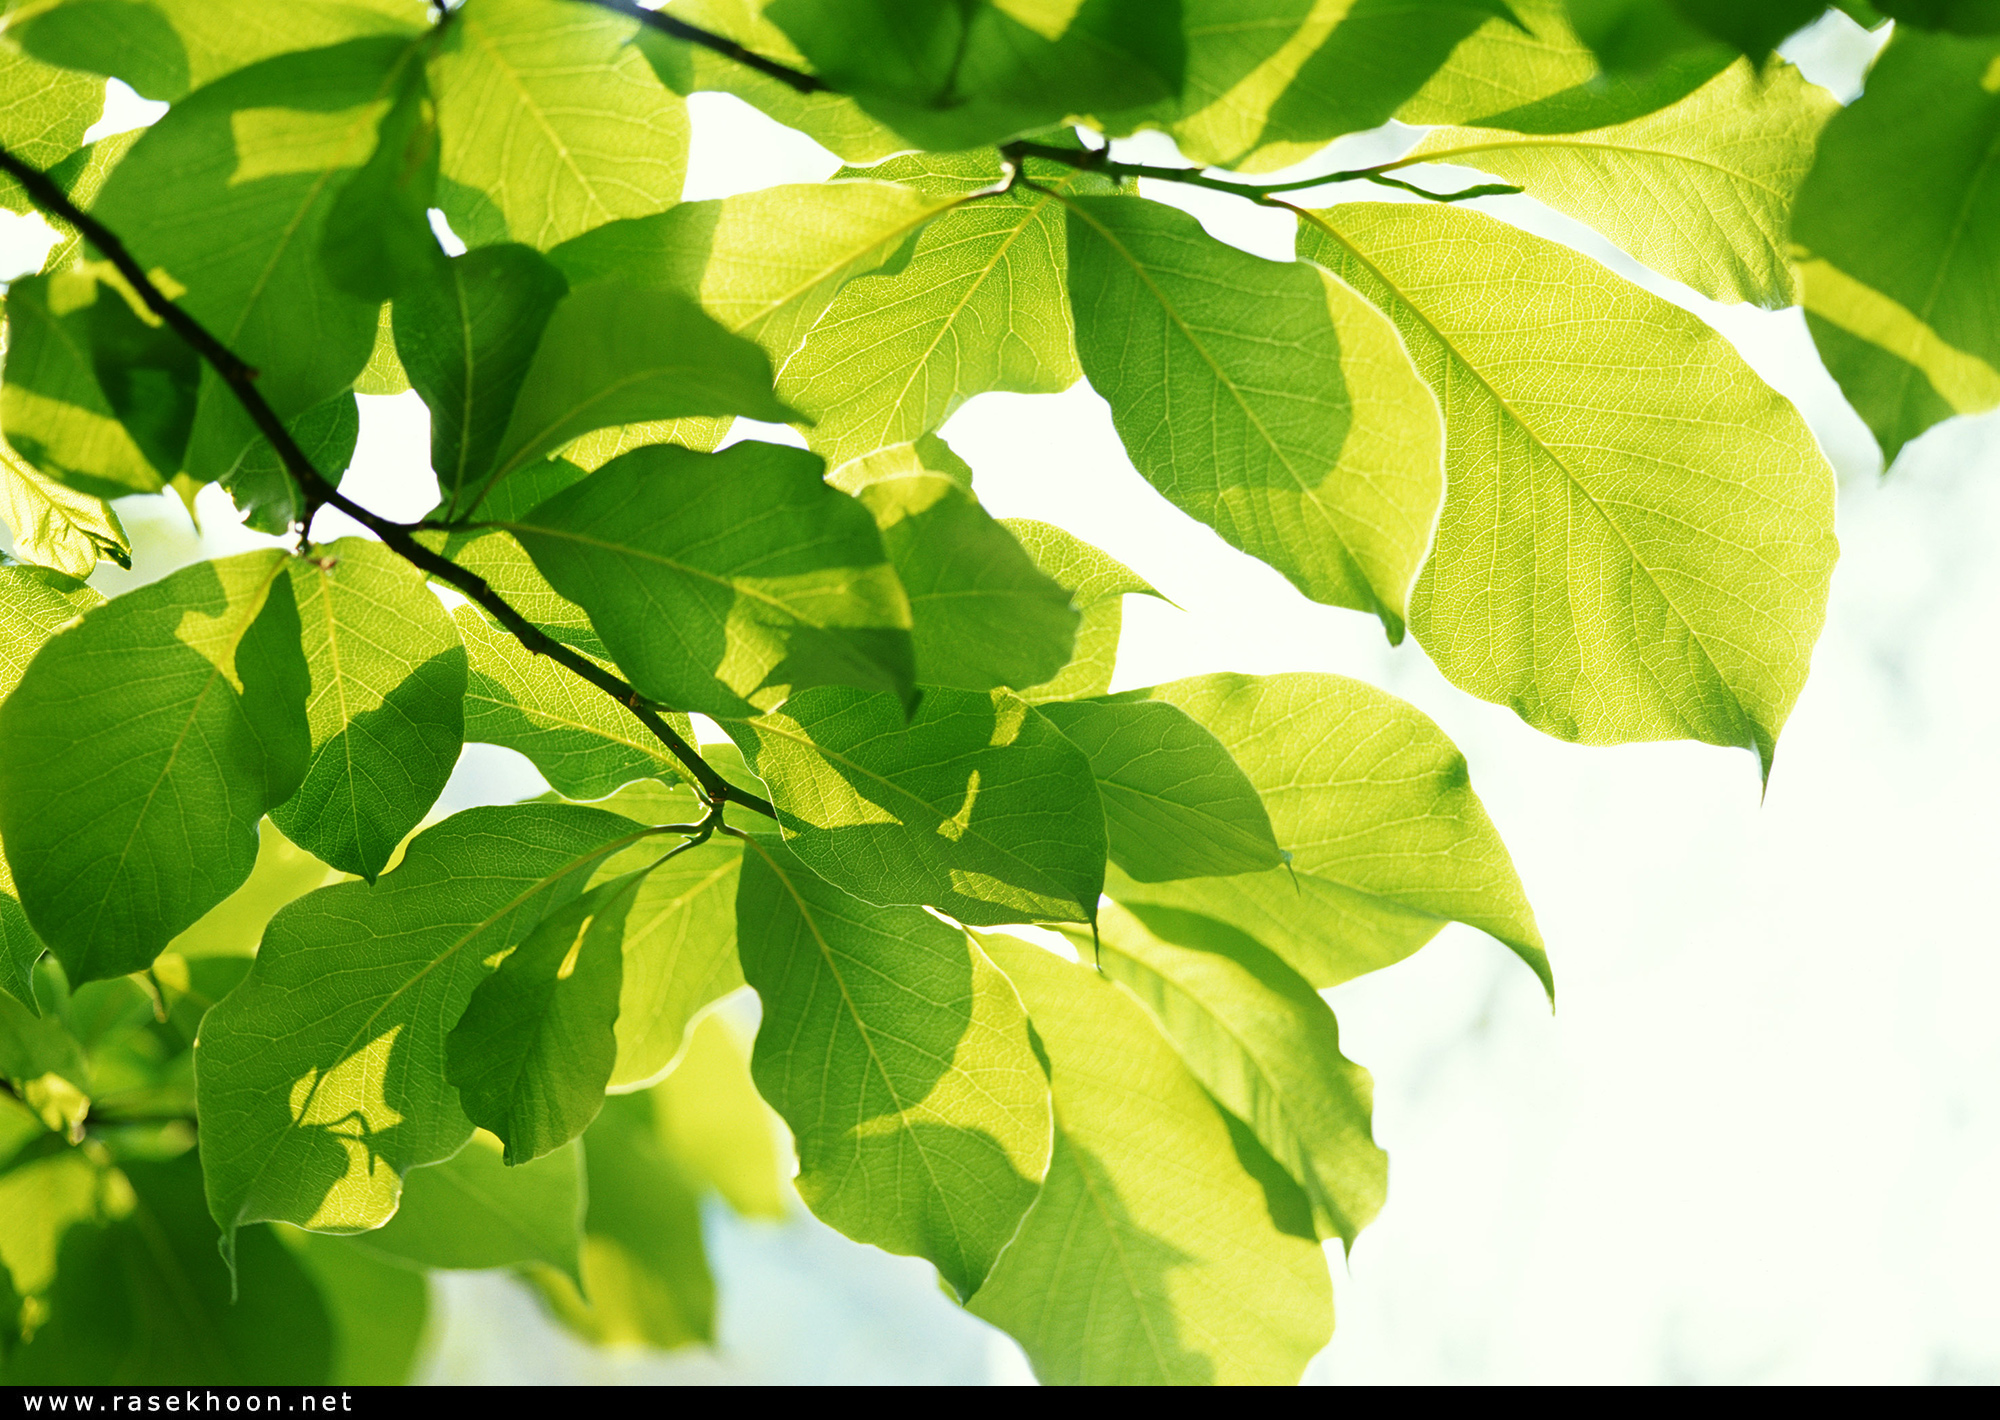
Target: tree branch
319 492
796 79
1098 160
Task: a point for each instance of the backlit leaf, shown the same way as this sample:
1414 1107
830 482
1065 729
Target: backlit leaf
1166 1247
899 1056
1097 584
719 581
378 1309
1262 398
1175 804
118 836
44 112
534 1050
551 123
388 685
1260 1039
1898 229
718 1126
982 613
471 1211
1387 840
1701 191
1639 531
976 805
322 1077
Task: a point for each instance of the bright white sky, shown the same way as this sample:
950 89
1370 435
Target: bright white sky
1761 1140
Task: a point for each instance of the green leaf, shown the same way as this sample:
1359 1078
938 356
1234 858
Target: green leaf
584 742
44 113
20 949
612 354
54 525
260 155
130 39
41 1199
322 1077
1898 229
508 570
900 1057
1259 1039
835 121
1175 804
1097 584
52 403
981 304
1165 1248
1639 531
1505 65
378 1309
982 614
962 75
721 581
645 1274
1387 841
1261 397
234 926
386 709
764 265
1701 191
534 1050
1965 17
1240 55
36 1049
466 336
717 1125
1610 100
81 176
551 123
263 488
1379 54
117 838
146 1300
471 1212
976 805
378 239
1636 35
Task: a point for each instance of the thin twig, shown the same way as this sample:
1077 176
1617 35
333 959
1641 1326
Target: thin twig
666 24
1098 160
318 491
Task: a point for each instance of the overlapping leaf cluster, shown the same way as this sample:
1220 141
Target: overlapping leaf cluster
485 1039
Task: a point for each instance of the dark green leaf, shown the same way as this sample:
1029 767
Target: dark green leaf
378 1309
146 1300
981 613
128 39
976 805
534 1050
1175 804
1116 1276
322 1077
720 581
117 838
386 709
900 1058
1229 381
465 334
471 1211
378 240
263 488
1898 234
968 73
1964 17
1634 36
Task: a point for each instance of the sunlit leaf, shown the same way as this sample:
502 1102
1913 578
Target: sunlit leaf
1503 65
551 123
900 1058
976 805
117 838
388 684
1175 804
1261 397
718 1127
1387 840
322 1077
1260 1039
982 614
1898 229
44 112
1097 584
1639 531
1166 1247
719 581
1700 191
